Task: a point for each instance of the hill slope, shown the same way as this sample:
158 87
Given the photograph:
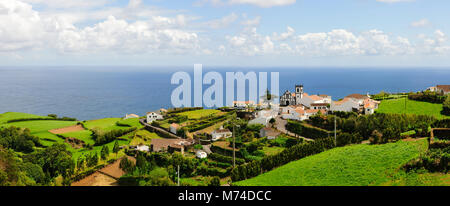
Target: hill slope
397 106
345 166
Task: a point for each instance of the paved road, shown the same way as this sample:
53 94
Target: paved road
159 129
281 126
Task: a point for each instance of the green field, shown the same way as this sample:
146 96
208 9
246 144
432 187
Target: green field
197 114
106 124
16 115
144 137
85 135
397 106
133 122
40 129
357 165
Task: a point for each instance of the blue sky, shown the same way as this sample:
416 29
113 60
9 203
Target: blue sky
344 33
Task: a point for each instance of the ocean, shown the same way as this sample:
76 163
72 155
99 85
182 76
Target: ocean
100 92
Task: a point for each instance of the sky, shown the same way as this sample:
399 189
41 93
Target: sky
316 33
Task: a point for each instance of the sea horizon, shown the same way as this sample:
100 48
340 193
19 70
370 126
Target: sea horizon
95 92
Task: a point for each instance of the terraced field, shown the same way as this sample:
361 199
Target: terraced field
357 165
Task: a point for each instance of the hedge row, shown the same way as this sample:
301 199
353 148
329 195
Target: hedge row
268 163
206 171
307 131
202 124
225 159
427 97
224 151
101 137
185 109
41 118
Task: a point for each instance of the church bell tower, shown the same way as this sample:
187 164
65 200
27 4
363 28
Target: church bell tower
298 93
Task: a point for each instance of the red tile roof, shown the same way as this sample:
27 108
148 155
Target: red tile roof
357 96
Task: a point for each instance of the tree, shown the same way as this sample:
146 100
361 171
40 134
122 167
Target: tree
105 152
54 160
272 122
116 148
446 105
215 181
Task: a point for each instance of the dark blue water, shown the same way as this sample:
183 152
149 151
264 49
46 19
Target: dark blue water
100 92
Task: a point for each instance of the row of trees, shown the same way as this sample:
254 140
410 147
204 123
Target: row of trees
427 96
102 137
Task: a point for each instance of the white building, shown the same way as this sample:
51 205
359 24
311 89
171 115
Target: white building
152 116
300 97
221 134
143 148
243 104
264 116
201 154
174 128
356 103
131 116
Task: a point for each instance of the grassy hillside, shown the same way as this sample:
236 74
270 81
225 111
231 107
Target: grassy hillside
197 114
345 166
5 117
106 124
40 129
397 106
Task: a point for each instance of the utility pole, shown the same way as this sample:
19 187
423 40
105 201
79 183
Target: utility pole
178 173
234 146
335 139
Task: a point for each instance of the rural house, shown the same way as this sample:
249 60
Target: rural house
221 134
243 104
270 133
264 116
174 128
171 145
443 89
152 116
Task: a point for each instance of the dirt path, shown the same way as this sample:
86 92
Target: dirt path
107 176
74 128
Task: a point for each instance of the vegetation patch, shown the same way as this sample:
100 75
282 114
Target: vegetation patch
356 165
406 106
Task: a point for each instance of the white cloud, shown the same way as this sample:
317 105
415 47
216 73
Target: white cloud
339 42
252 22
394 1
420 23
284 36
20 26
23 28
222 22
436 44
65 4
250 43
259 3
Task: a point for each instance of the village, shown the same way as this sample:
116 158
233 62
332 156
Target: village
297 105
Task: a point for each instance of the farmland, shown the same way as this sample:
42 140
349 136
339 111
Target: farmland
197 114
397 106
357 165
